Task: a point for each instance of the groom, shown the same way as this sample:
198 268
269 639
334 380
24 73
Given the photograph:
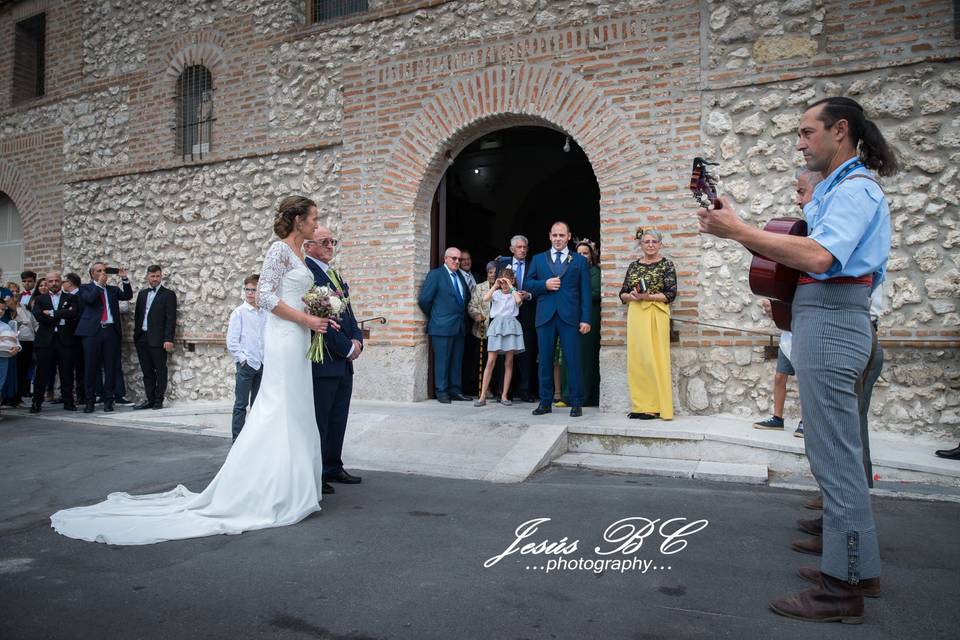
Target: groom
560 281
333 378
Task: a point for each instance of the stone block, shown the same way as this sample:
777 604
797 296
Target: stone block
772 49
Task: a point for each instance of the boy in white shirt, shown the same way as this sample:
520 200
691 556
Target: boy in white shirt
245 344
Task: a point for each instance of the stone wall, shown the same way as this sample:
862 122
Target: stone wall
208 227
94 126
117 34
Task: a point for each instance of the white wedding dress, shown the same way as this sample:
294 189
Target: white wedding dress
273 473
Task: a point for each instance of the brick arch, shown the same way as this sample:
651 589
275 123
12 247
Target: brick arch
17 187
500 97
204 48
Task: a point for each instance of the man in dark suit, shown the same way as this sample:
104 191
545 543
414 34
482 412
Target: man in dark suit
154 325
71 286
524 363
560 279
55 342
443 299
99 330
333 378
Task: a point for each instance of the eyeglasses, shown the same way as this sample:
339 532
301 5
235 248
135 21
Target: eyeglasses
457 259
245 290
327 242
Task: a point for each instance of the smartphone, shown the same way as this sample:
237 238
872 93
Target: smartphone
112 270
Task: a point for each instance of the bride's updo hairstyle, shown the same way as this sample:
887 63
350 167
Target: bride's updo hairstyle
289 209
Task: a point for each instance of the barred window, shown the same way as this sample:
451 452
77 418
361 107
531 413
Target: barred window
194 112
29 57
323 10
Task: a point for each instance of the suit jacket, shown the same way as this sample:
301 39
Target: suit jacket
162 321
68 309
92 306
438 300
572 301
336 342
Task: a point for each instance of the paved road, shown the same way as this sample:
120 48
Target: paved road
403 556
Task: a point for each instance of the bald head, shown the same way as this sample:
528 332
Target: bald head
54 282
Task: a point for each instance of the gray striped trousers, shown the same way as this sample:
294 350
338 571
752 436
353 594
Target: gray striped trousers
831 347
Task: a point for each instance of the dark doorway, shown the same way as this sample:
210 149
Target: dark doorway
516 181
512 181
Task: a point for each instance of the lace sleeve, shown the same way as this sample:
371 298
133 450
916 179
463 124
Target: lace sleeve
275 264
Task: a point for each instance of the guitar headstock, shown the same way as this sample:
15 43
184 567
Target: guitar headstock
703 183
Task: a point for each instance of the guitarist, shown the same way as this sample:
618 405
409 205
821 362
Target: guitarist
844 257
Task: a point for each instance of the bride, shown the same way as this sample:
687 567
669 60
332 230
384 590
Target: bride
272 474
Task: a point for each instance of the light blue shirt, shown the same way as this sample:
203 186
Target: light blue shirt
852 222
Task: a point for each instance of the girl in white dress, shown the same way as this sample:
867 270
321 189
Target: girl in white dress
504 334
272 474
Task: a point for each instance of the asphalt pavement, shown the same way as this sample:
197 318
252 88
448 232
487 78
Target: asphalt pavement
407 556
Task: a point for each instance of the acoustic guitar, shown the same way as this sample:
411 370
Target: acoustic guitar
767 278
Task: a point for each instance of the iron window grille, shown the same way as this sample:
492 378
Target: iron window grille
194 112
324 10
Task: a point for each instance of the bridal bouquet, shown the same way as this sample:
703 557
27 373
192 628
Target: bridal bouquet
322 302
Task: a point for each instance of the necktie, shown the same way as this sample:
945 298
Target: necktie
556 259
103 315
519 275
335 279
456 289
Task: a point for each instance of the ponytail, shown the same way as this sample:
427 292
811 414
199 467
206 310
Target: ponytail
874 150
875 153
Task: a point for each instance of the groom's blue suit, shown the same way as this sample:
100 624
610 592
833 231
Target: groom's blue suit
560 313
333 379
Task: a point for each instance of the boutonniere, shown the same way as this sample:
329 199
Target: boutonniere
569 258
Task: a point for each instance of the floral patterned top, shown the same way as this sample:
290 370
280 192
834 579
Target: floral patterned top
661 277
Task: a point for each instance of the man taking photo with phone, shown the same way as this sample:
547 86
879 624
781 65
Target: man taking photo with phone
99 330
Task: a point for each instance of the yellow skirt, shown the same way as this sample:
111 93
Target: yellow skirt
648 358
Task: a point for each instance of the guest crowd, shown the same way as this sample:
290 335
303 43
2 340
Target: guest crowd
58 328
542 314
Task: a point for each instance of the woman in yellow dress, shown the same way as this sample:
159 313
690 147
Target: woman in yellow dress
648 289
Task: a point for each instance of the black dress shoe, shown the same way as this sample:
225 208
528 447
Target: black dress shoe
34 408
459 397
89 407
344 478
327 489
146 404
69 407
542 409
641 416
949 454
443 399
157 404
576 411
108 406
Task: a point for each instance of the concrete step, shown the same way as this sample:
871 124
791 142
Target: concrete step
730 439
669 467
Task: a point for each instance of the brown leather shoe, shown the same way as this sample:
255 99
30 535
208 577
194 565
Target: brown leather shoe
813 546
869 587
815 503
813 526
833 601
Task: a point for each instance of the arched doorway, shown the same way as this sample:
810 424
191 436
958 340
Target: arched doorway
11 239
511 181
